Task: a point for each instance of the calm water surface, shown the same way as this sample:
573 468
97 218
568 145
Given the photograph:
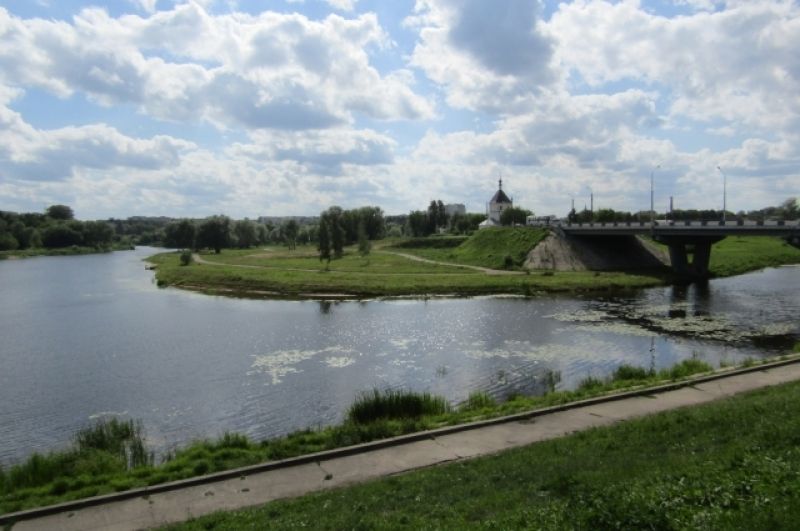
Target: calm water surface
89 336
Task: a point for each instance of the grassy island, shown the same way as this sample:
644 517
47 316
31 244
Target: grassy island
488 262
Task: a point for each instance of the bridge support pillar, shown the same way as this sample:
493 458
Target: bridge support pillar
679 254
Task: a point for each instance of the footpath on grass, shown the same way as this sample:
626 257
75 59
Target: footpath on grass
180 501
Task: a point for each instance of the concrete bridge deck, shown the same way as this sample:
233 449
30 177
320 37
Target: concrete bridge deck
683 228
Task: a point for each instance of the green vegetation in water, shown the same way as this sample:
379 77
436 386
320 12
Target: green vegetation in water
110 456
731 464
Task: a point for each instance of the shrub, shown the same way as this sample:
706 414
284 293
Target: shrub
508 261
394 404
186 258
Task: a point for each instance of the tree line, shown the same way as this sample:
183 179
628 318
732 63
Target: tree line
55 228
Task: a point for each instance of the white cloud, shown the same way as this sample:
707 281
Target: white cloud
273 70
32 154
488 56
321 152
740 65
342 5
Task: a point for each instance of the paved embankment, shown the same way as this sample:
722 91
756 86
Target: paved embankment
262 483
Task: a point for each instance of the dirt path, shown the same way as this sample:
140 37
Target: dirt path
486 270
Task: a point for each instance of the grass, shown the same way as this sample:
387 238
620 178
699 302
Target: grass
739 254
299 273
485 248
731 464
278 272
394 404
110 456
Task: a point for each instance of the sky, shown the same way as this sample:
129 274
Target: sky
190 108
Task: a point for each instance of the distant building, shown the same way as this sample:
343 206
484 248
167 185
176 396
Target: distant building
455 208
497 204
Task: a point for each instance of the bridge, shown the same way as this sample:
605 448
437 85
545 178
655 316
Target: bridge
681 237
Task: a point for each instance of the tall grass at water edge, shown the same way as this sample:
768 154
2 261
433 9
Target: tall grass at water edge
395 404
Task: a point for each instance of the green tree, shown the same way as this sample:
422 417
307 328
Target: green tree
514 216
246 233
333 218
60 235
364 246
97 234
8 242
418 223
60 212
180 234
290 232
324 242
214 233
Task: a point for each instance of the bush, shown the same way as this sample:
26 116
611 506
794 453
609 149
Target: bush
394 404
186 258
508 261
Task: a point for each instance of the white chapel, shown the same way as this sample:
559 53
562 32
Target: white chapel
497 204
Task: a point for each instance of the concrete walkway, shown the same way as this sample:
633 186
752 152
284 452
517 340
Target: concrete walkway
252 486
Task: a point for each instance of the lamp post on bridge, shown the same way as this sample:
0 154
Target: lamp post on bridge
724 193
652 207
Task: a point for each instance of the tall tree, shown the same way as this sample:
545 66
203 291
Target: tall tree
324 242
60 212
214 233
246 233
514 216
364 246
290 231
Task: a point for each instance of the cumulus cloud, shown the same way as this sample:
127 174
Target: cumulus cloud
739 65
490 56
273 70
28 153
321 152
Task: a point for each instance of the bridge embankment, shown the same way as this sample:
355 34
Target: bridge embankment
562 252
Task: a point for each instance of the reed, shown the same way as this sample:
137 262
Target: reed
394 404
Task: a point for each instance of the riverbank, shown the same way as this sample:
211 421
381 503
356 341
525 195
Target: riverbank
73 250
104 464
731 464
389 272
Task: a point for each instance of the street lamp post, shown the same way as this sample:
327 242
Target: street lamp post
724 193
652 208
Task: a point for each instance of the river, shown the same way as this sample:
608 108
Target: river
90 336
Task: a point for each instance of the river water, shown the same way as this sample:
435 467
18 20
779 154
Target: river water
84 337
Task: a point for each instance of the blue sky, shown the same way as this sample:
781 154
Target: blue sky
198 107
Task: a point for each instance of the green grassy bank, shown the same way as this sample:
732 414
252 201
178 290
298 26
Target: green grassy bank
739 254
110 456
732 464
495 248
275 271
